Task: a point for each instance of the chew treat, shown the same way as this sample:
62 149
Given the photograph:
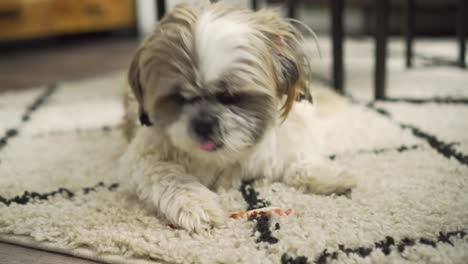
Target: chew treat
268 211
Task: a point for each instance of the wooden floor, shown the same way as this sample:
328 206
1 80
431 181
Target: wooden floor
40 63
66 59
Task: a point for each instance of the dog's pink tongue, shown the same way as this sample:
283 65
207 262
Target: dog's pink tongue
207 146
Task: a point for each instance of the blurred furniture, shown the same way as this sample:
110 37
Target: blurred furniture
26 19
381 37
461 21
161 7
337 27
381 33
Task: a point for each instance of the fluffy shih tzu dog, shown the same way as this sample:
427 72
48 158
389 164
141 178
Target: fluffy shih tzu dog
216 89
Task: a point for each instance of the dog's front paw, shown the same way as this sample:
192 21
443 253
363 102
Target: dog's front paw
200 215
195 209
322 180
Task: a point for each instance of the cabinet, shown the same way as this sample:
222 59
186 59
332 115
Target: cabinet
25 19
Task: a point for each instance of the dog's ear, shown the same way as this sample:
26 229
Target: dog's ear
291 63
137 89
288 75
293 84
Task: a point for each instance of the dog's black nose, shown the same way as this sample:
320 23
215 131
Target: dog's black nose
204 126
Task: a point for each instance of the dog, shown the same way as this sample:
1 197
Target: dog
214 98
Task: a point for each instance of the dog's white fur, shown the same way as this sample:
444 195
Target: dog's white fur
217 39
181 184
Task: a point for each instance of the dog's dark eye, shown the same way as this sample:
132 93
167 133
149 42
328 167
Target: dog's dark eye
227 98
178 98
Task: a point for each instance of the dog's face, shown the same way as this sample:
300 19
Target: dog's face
214 79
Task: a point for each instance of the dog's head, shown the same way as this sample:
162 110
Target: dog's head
215 79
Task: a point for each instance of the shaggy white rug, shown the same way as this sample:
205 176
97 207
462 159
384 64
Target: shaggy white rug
59 145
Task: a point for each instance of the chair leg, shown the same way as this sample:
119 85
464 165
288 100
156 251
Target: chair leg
409 31
461 31
254 5
381 36
337 8
161 5
292 4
